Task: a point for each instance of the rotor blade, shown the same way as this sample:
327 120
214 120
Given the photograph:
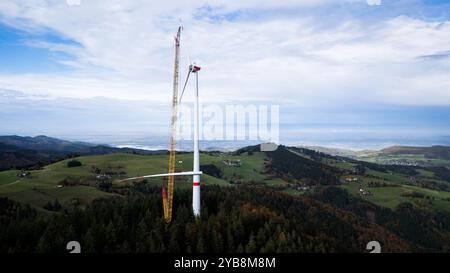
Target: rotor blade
184 87
161 175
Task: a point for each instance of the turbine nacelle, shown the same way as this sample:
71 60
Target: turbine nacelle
194 68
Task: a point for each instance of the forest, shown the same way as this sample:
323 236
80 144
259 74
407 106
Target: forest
283 162
234 220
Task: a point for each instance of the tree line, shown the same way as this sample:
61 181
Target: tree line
234 220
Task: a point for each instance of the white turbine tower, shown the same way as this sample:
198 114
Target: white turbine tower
196 162
196 178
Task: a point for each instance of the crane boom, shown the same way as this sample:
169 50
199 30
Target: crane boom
168 194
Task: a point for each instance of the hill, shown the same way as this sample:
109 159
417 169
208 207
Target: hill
435 156
44 143
13 157
235 220
435 152
18 152
303 165
368 198
296 171
336 151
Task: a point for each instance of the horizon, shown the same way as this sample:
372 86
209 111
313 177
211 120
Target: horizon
368 74
210 145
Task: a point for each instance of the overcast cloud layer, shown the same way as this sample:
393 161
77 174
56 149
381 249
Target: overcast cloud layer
294 53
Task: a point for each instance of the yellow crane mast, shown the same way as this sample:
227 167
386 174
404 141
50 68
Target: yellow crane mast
167 195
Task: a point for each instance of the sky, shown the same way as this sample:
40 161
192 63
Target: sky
344 73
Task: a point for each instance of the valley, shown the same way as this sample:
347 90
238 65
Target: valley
386 187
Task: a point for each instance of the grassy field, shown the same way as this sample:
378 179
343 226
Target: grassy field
389 176
416 158
42 185
343 165
394 195
391 197
293 192
8 177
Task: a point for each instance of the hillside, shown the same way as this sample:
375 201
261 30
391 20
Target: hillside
433 152
293 170
435 156
18 152
365 194
302 166
336 151
13 157
238 220
44 143
436 152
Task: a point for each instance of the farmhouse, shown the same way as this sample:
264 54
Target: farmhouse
364 192
351 179
23 174
232 163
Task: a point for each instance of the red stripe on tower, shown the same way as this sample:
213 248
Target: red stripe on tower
196 184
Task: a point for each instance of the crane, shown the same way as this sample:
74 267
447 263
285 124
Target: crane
167 194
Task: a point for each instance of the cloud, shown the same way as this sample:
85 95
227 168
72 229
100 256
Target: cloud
374 2
437 56
34 115
124 50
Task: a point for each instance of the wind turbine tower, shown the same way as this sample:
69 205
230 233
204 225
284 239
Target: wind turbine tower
196 178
